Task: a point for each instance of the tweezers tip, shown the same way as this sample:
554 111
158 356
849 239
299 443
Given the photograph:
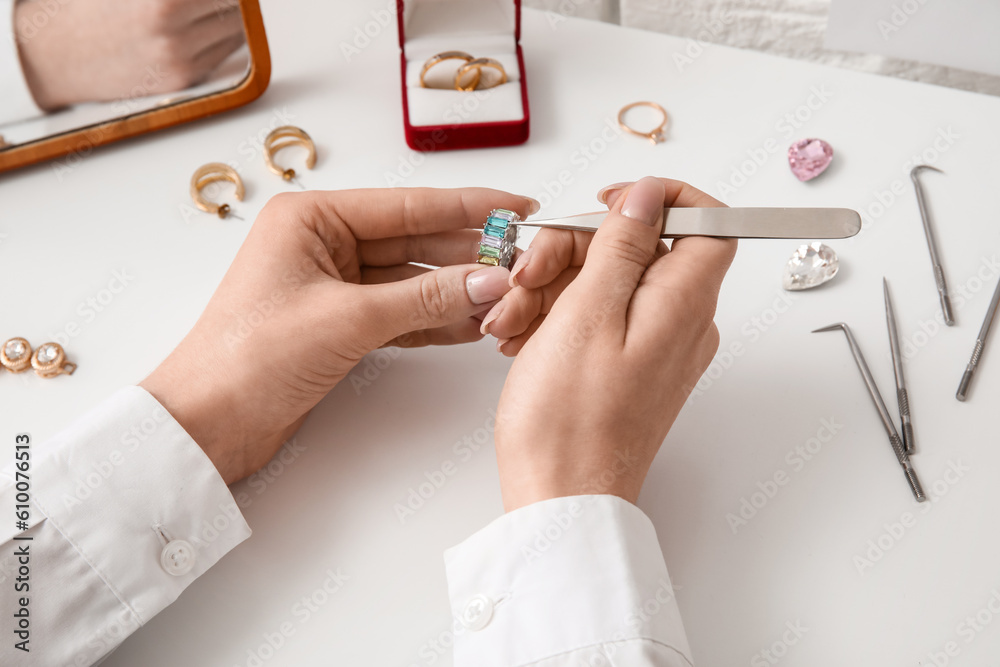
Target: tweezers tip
838 325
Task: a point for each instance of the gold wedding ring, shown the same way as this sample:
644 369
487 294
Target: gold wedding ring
655 135
441 57
477 64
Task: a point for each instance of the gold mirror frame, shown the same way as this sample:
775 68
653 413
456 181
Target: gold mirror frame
133 125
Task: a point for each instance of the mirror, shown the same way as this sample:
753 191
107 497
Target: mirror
76 74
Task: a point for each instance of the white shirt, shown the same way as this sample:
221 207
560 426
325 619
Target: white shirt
126 511
16 100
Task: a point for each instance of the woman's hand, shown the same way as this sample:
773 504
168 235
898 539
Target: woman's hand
100 50
611 331
322 279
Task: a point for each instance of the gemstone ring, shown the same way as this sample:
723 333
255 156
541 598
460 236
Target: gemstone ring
657 134
496 247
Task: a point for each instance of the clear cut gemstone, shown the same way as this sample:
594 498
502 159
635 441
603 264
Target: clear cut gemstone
48 353
15 349
809 266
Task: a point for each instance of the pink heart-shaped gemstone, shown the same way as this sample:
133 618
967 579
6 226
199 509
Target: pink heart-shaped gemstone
809 158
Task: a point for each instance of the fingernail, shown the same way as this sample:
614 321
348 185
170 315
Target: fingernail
644 202
519 265
492 315
602 194
500 343
487 285
534 206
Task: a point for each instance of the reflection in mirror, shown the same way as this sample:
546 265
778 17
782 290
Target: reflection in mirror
70 64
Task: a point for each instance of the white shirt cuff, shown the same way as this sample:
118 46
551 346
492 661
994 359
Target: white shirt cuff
573 576
16 102
128 511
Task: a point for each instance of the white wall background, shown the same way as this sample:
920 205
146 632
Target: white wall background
792 28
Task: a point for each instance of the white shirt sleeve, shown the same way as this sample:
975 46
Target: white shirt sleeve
126 511
16 100
563 583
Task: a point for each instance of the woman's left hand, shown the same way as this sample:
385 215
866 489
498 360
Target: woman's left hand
322 279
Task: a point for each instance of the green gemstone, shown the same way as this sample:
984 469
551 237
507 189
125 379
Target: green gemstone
488 251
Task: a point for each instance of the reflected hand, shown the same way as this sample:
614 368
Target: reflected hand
611 331
322 279
101 50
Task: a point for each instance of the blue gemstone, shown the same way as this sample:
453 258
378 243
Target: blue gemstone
494 231
497 222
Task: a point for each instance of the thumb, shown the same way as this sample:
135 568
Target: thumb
432 299
625 243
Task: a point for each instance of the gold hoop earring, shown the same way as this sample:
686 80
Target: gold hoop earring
214 172
15 355
282 137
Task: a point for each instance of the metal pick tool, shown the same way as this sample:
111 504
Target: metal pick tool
897 368
746 223
890 428
977 351
925 217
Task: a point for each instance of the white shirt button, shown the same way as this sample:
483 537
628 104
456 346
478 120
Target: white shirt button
177 557
477 613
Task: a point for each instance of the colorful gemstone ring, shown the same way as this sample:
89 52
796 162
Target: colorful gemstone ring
496 247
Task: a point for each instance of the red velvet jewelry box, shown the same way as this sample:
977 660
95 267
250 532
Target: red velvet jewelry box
439 119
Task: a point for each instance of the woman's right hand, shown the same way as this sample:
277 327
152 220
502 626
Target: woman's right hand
611 332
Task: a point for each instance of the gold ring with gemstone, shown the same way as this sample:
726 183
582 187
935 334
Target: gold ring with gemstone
441 57
15 355
49 360
478 64
496 247
655 135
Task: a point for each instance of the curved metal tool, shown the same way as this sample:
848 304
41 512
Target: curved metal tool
925 217
743 223
890 428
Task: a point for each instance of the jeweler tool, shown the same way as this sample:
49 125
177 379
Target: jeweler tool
977 351
925 218
744 223
905 425
890 428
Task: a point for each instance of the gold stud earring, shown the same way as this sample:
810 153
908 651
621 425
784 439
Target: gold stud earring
15 355
49 360
282 137
214 172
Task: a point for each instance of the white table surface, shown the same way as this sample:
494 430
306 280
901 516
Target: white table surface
64 233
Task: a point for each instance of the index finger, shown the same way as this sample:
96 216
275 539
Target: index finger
378 213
